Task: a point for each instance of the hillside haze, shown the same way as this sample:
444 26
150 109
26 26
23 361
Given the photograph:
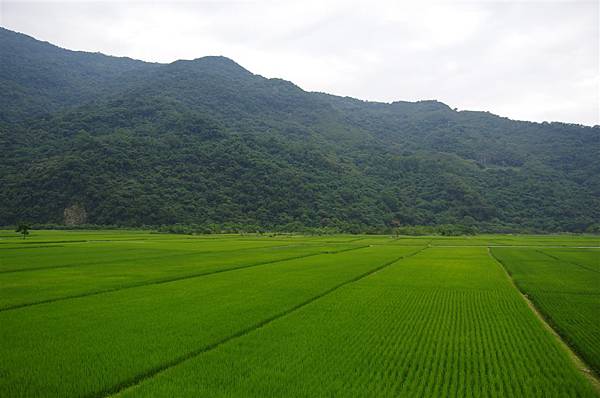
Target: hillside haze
208 142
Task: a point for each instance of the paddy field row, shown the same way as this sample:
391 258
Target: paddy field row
100 313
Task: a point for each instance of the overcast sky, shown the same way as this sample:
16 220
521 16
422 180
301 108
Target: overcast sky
534 60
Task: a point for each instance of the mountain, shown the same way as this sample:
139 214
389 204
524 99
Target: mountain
207 142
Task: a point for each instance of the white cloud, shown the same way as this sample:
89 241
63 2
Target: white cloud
532 60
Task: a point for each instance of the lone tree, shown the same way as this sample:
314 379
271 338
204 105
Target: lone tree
23 229
396 226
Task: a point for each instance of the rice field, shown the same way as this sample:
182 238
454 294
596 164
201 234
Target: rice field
564 284
135 314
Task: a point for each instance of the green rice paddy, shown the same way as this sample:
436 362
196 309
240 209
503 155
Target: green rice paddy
135 314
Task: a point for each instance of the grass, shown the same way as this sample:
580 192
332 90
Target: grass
92 268
564 284
442 323
95 313
110 339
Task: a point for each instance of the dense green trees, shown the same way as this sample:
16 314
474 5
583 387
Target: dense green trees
209 144
23 229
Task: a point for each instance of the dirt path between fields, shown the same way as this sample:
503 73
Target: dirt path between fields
577 361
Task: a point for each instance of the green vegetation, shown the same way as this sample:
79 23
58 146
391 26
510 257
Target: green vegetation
93 139
99 267
23 229
196 149
565 285
96 313
444 323
112 338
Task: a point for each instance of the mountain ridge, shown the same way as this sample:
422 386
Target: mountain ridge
229 60
215 144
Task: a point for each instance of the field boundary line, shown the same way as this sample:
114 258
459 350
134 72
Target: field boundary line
44 242
577 361
101 240
168 280
121 387
8 271
351 240
566 261
82 241
523 246
31 247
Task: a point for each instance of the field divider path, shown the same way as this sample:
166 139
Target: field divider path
119 388
523 246
349 241
78 241
575 358
32 247
568 262
45 242
172 279
75 265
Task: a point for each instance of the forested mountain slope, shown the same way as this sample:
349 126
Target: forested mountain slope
207 142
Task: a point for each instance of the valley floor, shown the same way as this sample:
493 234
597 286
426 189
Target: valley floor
136 314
